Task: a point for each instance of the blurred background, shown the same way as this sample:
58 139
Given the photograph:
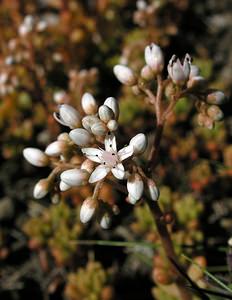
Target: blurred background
51 52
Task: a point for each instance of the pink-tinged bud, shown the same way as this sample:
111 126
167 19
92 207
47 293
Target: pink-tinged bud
41 188
99 129
135 186
105 113
125 75
81 137
178 72
88 165
60 97
88 209
194 71
147 73
56 148
217 98
154 58
89 104
64 137
105 221
215 113
75 177
89 121
139 143
153 190
112 125
68 116
63 186
113 104
36 157
196 82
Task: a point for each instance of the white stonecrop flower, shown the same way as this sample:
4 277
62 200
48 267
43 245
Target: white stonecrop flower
179 72
110 159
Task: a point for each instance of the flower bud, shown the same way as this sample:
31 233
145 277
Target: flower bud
105 221
75 177
89 104
68 116
99 128
113 104
88 165
41 26
81 137
60 97
112 125
139 143
217 98
87 211
178 72
154 58
201 119
105 113
41 188
194 71
131 199
215 113
147 73
63 137
125 75
63 186
88 121
35 157
153 190
196 82
135 186
56 148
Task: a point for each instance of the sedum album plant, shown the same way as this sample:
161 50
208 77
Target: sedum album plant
92 139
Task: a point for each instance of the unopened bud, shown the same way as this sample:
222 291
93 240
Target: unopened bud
135 186
131 199
63 186
89 121
88 165
139 143
56 148
154 58
196 82
41 188
35 157
113 104
178 72
81 137
89 104
99 128
215 113
153 190
60 97
112 125
217 98
125 75
87 211
147 73
63 137
68 116
105 113
105 221
75 177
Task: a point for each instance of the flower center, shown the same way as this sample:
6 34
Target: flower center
110 158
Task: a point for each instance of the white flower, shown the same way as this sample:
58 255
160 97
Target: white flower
179 72
110 159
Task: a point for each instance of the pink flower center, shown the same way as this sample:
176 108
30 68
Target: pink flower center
109 158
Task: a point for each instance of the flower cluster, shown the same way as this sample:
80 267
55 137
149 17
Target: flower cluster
92 138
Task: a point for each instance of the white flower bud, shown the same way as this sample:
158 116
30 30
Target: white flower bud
194 71
112 125
81 137
105 113
68 116
99 128
153 190
105 221
75 177
88 165
41 188
147 73
113 104
135 186
125 75
217 98
89 104
88 121
36 157
131 199
196 82
178 72
24 30
63 186
87 211
139 143
56 148
154 58
60 97
63 137
215 113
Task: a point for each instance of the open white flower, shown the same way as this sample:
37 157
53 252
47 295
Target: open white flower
110 159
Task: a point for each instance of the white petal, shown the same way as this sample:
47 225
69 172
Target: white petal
110 143
125 152
118 171
93 154
99 173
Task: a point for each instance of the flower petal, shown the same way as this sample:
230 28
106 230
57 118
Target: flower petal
118 171
93 154
110 143
99 173
125 152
